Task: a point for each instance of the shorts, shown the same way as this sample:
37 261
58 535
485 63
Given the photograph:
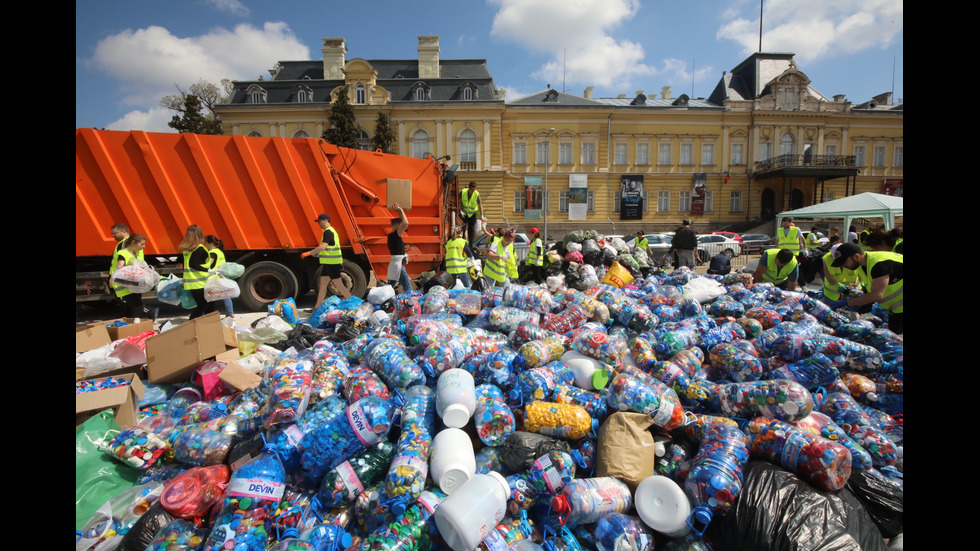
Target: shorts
331 270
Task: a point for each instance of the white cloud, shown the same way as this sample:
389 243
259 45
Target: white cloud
148 62
818 29
578 35
231 6
152 120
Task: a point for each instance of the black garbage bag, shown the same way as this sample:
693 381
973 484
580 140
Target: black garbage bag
140 535
590 246
520 449
883 500
594 258
346 331
442 278
776 510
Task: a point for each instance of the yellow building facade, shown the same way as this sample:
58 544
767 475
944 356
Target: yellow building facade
763 142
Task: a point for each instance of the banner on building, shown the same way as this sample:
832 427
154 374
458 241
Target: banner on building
578 196
894 186
698 193
631 197
533 198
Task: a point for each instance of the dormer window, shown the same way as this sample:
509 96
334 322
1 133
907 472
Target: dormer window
467 94
467 91
255 94
301 97
360 94
551 96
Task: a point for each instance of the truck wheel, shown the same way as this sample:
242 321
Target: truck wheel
266 282
353 277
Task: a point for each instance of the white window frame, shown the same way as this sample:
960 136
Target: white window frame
467 146
898 161
830 150
684 202
642 154
565 153
708 154
878 156
588 153
663 200
360 95
687 154
738 154
420 94
709 200
301 134
860 155
620 154
765 151
542 153
520 153
787 144
665 154
467 94
735 201
519 201
420 146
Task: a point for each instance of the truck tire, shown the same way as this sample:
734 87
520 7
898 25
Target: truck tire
353 277
266 282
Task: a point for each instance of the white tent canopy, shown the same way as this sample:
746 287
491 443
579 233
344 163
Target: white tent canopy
862 205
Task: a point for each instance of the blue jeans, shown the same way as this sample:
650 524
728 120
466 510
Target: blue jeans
403 278
465 278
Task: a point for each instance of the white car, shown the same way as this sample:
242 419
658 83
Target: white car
712 243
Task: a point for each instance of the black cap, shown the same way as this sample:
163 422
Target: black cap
845 251
322 217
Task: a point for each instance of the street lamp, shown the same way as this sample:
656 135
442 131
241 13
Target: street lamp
547 203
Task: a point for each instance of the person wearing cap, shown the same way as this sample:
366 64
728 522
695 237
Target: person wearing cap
881 272
789 237
535 257
470 207
457 251
779 267
500 253
397 271
331 260
834 277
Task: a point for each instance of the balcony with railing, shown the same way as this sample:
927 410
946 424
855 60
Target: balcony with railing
814 166
467 165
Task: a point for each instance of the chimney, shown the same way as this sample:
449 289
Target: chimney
428 56
588 92
839 98
665 92
334 58
883 99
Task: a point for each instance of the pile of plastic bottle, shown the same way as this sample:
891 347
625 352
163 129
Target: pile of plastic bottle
444 426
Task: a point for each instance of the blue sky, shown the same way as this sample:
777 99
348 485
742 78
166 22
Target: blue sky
128 54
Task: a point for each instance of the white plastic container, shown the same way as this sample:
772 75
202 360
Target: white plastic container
467 516
455 397
451 461
379 318
663 506
378 295
590 373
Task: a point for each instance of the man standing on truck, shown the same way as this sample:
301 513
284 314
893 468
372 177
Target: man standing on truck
331 261
470 206
397 272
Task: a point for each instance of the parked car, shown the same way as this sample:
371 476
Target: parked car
711 244
753 243
658 245
730 234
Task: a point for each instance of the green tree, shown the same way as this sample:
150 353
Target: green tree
383 135
192 120
208 96
343 130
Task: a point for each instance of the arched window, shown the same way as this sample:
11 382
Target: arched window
255 94
363 140
787 144
420 144
360 95
467 93
420 94
301 96
467 146
301 134
255 134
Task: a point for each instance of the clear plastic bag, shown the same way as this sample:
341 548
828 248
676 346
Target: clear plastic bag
169 288
220 288
231 270
138 277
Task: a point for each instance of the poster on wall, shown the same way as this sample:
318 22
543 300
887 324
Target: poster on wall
698 193
631 202
894 186
578 196
533 198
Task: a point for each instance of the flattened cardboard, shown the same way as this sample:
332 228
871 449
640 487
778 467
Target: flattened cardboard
399 191
90 338
237 377
133 328
172 355
124 400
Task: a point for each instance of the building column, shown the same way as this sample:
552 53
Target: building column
486 145
401 138
450 148
439 140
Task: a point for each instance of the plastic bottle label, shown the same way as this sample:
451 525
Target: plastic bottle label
792 448
293 434
347 475
429 501
664 414
256 488
494 541
549 473
626 314
362 429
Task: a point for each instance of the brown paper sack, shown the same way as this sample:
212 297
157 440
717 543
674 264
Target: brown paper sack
626 448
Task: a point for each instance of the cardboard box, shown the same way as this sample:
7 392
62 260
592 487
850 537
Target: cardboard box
172 355
399 191
237 377
124 400
90 338
116 333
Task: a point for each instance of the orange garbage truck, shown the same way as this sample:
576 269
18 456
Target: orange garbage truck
261 197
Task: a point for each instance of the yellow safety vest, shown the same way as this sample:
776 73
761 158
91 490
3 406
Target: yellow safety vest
124 254
842 275
812 241
774 274
469 202
455 261
332 254
496 270
642 243
788 238
192 279
893 301
220 257
533 258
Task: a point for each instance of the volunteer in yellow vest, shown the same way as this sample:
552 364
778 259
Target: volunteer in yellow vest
790 237
457 251
500 253
472 210
642 243
812 241
196 263
331 261
882 274
131 250
833 277
779 267
217 256
535 257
